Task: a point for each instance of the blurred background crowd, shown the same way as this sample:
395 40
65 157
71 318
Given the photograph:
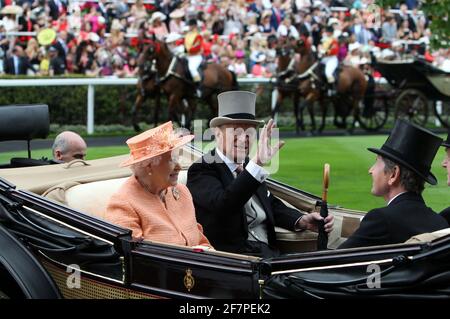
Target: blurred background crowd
104 37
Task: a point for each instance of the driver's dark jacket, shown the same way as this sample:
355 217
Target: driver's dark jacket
219 201
406 216
446 214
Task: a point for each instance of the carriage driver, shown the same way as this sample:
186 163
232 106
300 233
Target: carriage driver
330 48
193 44
402 167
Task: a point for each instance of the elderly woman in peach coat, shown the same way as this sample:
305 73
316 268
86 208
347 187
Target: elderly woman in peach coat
150 202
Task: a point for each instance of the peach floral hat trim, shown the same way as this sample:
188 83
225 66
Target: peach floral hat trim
154 142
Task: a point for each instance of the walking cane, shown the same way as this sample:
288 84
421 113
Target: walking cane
322 239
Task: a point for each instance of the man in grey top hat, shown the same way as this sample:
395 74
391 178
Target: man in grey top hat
231 198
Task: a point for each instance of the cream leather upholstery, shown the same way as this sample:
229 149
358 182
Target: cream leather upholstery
92 198
427 237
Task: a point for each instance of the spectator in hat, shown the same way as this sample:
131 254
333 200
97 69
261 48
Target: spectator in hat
231 199
354 56
287 30
151 202
399 174
157 26
68 146
267 27
446 165
57 64
258 69
139 14
176 23
175 43
239 67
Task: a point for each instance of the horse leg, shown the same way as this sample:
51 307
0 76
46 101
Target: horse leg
337 104
174 103
190 111
157 108
324 109
298 124
135 111
354 112
311 114
277 98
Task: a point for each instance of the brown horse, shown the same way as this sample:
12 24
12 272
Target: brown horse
351 87
286 79
173 79
147 87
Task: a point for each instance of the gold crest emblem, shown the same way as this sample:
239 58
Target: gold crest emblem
189 280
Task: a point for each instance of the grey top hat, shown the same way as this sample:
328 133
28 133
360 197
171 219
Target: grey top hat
236 107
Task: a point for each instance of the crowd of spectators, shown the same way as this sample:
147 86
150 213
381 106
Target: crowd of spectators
103 37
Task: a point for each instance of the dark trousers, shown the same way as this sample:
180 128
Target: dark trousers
260 249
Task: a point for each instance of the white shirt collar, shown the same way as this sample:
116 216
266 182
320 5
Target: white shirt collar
231 165
394 198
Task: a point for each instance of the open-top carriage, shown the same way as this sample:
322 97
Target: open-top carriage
56 242
416 82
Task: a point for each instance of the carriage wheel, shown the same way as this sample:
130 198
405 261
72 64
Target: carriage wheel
412 105
372 118
442 111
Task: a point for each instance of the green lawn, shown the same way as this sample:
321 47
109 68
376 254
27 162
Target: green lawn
301 164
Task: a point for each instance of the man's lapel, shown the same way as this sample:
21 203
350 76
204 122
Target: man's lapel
225 175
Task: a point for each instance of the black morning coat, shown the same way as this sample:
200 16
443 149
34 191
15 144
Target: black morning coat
406 216
446 214
219 201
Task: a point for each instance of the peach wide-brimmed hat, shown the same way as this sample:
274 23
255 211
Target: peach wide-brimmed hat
154 142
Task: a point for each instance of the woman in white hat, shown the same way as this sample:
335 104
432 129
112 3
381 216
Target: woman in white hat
151 202
138 14
267 27
176 23
354 55
175 43
157 26
117 37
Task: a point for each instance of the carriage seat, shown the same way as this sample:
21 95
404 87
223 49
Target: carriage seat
427 237
91 198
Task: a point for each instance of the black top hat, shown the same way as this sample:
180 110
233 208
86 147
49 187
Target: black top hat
446 143
412 147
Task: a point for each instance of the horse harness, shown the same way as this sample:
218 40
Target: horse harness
316 79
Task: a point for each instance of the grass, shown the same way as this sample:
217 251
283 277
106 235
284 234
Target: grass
301 165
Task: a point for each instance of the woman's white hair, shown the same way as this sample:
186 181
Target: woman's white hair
139 167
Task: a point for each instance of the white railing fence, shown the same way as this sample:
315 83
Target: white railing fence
91 83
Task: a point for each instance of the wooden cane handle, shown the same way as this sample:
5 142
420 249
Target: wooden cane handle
326 180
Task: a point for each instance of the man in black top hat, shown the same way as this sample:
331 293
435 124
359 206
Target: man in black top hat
232 201
446 164
399 174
